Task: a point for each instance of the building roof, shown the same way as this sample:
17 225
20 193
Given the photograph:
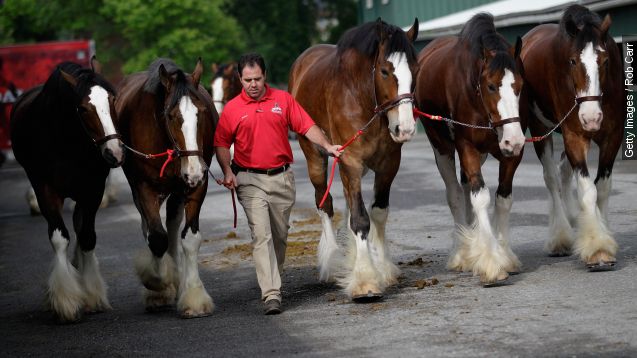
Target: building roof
510 13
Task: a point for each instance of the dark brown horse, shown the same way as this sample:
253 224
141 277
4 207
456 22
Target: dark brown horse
573 71
365 81
63 135
166 109
474 79
225 84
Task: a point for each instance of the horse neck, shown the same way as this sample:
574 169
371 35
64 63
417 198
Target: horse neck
356 72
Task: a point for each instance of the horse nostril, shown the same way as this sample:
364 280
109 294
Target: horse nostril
397 130
507 142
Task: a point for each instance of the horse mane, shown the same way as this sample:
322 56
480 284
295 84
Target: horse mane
479 34
181 85
583 19
365 40
85 77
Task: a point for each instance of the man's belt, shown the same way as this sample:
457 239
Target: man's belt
273 171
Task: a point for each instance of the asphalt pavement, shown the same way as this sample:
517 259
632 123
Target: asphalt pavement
553 308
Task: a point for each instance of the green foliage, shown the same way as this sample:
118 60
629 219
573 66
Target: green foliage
182 30
280 30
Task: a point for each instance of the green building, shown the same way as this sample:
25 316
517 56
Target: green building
512 17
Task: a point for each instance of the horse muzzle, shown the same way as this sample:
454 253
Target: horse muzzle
193 171
113 153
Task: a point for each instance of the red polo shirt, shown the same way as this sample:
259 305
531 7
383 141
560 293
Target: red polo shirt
259 129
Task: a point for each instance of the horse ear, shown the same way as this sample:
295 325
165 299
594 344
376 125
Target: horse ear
96 66
412 34
379 29
214 68
196 74
605 26
68 78
164 77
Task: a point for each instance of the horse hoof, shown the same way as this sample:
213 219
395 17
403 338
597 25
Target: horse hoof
368 297
601 266
190 314
497 283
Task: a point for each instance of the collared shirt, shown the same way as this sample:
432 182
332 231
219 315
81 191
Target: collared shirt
259 129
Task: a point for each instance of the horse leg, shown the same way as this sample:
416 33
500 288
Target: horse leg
603 182
65 295
156 271
32 200
503 203
485 255
561 236
595 243
362 281
193 300
388 272
85 259
466 187
570 203
327 247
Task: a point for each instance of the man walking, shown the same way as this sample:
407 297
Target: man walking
257 123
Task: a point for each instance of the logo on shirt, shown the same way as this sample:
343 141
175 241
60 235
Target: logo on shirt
276 109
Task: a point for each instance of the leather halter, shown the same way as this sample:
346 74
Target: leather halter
178 152
579 100
393 102
493 123
98 142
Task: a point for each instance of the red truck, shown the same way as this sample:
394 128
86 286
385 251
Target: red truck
28 65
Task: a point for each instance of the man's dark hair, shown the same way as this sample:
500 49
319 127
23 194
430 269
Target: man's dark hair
251 59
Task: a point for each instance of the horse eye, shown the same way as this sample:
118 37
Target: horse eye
572 62
384 73
491 87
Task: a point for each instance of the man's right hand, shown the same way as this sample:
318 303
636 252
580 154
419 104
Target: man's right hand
229 181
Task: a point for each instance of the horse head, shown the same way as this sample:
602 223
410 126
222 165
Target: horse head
225 84
499 89
96 111
587 59
395 71
185 118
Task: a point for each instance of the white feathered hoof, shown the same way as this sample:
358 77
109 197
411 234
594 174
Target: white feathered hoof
561 245
96 305
158 301
156 276
67 308
195 302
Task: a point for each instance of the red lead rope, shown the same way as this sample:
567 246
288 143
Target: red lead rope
342 148
169 153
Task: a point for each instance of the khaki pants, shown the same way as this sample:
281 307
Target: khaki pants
267 201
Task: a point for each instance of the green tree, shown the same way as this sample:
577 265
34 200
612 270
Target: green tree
280 30
179 29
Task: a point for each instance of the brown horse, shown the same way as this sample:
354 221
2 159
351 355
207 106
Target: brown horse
63 135
576 64
341 87
475 80
225 84
166 109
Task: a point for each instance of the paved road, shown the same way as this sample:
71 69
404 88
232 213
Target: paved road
553 308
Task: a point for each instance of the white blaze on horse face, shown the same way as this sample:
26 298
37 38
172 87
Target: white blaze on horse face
512 140
191 168
98 97
590 112
401 118
217 93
